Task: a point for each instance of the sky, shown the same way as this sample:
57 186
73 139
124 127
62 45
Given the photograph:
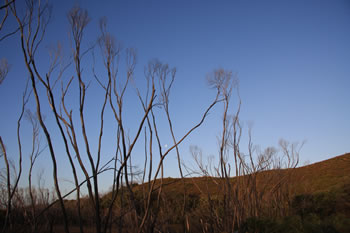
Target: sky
292 59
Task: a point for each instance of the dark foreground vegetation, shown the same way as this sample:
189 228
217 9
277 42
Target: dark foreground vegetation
239 190
316 199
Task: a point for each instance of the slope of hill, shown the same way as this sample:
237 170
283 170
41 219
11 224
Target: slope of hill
315 197
326 175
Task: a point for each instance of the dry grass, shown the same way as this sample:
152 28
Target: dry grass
328 175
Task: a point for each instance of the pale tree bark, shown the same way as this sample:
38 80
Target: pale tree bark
160 80
259 181
155 72
34 154
12 187
5 7
32 30
4 69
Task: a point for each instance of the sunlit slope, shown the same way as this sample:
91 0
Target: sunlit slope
327 175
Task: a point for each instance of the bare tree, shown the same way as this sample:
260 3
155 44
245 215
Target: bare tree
5 7
157 71
251 183
4 69
12 186
241 197
33 156
32 30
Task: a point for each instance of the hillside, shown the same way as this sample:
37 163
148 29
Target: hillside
312 198
327 175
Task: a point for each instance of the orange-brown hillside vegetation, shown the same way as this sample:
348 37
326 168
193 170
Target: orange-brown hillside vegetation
327 175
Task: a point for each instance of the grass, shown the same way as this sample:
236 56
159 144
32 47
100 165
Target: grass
329 175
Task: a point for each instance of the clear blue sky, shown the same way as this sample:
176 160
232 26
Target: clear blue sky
292 59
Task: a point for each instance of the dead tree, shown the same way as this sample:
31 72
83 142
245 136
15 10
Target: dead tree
32 28
82 156
13 185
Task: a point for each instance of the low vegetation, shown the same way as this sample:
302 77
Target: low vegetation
311 208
